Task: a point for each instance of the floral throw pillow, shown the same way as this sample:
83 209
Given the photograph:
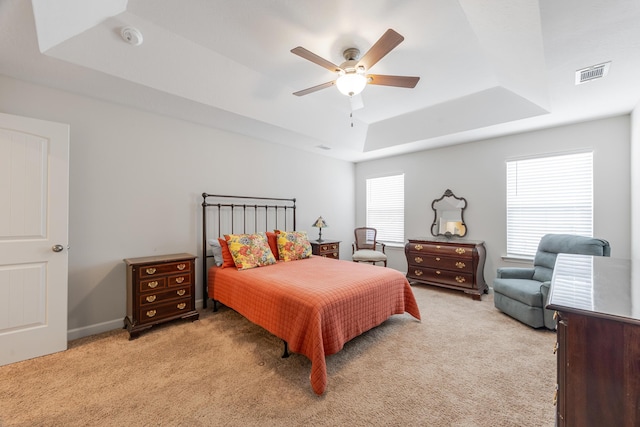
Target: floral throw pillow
250 250
293 245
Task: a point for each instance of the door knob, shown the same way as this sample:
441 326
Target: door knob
57 248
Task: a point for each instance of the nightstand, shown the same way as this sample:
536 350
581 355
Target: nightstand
159 289
326 248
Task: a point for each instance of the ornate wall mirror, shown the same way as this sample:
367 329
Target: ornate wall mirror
448 211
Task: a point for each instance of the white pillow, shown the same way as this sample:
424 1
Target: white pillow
217 251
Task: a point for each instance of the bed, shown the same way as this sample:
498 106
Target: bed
314 304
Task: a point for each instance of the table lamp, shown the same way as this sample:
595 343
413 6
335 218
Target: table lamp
320 223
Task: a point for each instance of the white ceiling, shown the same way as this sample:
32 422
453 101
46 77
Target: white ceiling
486 68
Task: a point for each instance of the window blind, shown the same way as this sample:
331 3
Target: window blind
385 207
548 195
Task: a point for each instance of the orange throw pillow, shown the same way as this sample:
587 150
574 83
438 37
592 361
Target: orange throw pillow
272 239
227 259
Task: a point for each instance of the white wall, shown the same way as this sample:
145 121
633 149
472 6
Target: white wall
476 171
135 185
635 181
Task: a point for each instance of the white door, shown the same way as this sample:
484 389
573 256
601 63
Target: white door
34 204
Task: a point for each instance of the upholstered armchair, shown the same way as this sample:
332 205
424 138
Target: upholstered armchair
366 247
522 293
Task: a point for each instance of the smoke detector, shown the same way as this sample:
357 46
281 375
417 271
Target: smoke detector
131 35
594 72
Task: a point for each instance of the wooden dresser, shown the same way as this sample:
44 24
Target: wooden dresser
455 264
326 248
598 341
159 289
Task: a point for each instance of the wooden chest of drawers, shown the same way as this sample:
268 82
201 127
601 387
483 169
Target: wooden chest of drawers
326 248
159 289
455 264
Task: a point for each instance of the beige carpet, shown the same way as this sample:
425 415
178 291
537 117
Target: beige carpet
465 364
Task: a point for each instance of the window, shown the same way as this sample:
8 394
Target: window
385 207
548 195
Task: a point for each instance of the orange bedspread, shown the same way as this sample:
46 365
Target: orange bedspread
316 305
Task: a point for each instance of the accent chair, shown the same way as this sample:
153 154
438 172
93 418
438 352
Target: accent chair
365 247
522 293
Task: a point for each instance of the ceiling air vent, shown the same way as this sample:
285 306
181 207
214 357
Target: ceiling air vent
594 72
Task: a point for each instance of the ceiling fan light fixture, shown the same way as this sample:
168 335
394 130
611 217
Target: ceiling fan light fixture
351 84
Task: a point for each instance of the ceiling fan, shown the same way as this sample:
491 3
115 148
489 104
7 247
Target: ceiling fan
352 77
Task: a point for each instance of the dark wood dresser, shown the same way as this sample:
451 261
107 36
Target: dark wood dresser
597 305
326 248
455 264
159 289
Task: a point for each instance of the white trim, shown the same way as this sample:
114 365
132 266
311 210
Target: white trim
98 328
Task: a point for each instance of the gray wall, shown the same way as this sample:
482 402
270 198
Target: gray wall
136 177
476 171
135 185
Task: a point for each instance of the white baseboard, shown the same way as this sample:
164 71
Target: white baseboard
98 328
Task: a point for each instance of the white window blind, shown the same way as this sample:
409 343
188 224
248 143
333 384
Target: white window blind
548 195
385 207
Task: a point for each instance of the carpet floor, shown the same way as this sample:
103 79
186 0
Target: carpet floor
464 364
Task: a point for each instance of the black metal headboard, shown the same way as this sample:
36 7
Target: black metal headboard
241 214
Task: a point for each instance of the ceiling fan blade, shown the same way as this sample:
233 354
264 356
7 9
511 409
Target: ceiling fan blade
385 44
398 81
310 56
356 102
314 88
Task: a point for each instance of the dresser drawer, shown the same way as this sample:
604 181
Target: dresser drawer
456 251
179 280
329 248
330 255
153 313
458 279
441 262
158 297
147 271
152 285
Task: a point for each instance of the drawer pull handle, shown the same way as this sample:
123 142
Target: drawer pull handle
418 259
152 284
334 246
181 306
418 272
181 266
150 270
181 292
151 298
460 279
438 247
179 279
460 264
437 271
335 255
418 247
151 313
437 258
460 251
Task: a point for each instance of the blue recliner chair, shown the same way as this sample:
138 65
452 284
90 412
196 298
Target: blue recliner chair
522 292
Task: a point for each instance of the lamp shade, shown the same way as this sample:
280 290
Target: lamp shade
320 223
351 84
